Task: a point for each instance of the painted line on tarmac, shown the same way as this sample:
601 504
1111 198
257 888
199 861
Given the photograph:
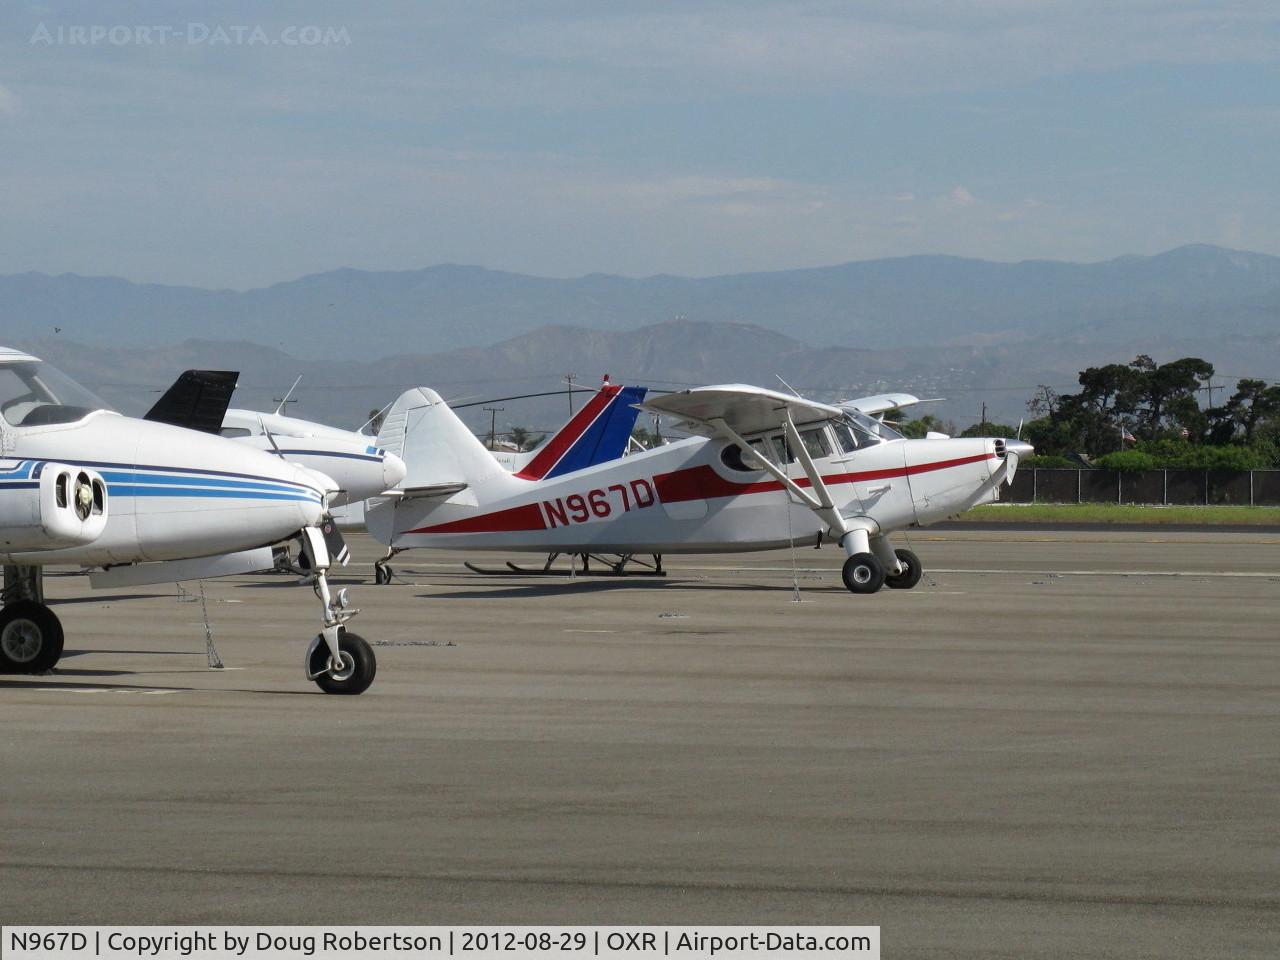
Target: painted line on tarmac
1239 574
143 691
835 571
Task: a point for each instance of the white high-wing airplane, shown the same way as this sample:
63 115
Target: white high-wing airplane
145 502
768 469
359 466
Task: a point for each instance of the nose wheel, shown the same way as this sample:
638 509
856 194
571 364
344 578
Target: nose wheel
30 638
350 672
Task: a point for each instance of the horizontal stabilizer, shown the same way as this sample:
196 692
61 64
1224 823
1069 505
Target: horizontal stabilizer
431 490
198 400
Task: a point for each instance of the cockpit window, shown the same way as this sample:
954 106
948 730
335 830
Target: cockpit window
234 432
32 393
844 437
869 430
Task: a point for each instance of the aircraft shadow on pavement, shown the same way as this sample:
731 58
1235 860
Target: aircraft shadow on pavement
108 597
568 588
111 650
53 682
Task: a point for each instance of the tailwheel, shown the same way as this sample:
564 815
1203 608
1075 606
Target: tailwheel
382 573
863 573
910 574
30 638
353 673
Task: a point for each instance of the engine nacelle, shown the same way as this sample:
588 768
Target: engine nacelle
49 506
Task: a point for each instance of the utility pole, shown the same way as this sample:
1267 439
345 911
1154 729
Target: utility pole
984 416
1209 388
493 423
569 378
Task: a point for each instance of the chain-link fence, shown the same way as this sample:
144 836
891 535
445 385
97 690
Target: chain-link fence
1238 487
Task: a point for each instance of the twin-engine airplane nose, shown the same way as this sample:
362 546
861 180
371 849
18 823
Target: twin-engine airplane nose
195 494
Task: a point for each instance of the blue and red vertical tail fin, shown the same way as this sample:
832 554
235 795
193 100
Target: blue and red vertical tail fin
597 433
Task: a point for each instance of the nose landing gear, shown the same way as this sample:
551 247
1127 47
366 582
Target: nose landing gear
337 660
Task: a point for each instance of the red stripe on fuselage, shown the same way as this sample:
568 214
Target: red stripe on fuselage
550 455
703 483
691 483
526 517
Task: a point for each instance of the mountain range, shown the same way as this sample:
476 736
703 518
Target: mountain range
873 304
972 331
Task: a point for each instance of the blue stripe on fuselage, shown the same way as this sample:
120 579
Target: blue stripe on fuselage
127 490
607 437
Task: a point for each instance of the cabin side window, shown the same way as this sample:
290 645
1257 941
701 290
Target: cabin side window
782 449
815 442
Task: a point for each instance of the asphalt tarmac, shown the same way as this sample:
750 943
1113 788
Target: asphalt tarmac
1057 745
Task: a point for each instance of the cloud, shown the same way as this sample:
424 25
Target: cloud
895 47
959 197
8 102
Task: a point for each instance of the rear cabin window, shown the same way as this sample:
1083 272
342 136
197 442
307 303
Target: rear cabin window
236 432
732 457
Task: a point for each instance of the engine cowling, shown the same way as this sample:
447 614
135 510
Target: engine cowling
50 506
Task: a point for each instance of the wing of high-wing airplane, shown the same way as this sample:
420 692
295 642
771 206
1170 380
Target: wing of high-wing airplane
881 402
743 408
198 400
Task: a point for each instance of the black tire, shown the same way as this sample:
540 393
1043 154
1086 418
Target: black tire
381 574
30 638
360 665
909 577
863 573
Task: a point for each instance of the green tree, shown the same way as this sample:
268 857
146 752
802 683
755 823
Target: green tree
1253 404
519 436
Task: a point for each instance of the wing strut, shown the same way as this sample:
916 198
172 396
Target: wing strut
853 536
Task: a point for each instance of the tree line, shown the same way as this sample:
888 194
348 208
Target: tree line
1145 415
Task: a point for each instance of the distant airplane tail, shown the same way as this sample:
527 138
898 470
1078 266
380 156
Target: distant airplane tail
597 433
439 450
198 400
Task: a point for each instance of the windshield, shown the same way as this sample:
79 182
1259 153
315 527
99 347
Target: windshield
32 393
869 429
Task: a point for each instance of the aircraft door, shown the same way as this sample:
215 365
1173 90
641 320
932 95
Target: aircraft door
881 487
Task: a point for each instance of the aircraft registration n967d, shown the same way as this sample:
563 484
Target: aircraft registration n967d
145 502
766 469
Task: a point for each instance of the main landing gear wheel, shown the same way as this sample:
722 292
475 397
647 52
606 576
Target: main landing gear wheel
909 577
863 573
30 638
382 573
356 671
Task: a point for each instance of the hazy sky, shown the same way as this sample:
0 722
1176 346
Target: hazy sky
237 147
